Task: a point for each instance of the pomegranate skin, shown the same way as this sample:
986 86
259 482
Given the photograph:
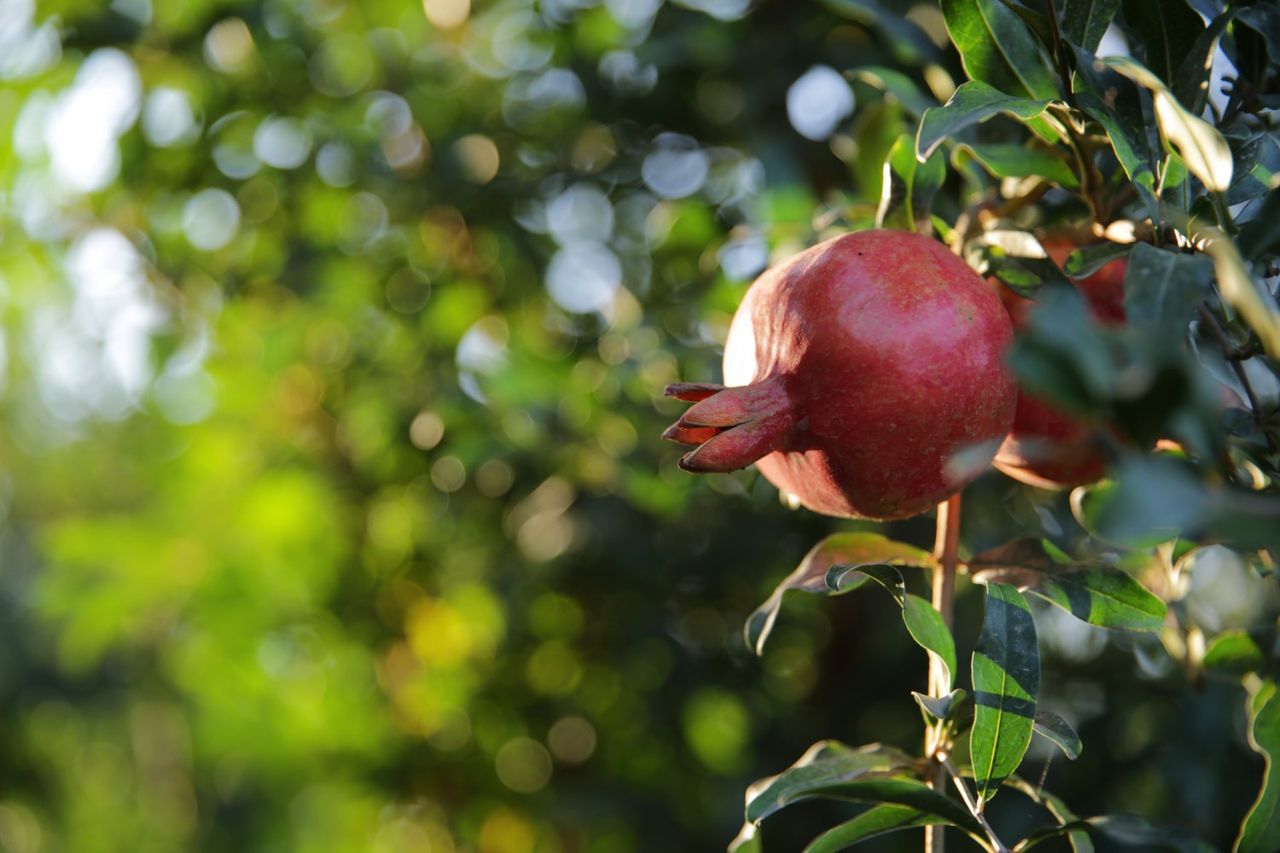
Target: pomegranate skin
1047 447
856 372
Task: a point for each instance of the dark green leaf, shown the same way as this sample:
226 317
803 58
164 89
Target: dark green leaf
1256 166
1084 21
997 48
1260 831
824 765
924 623
1167 30
908 187
811 575
1082 263
1006 680
971 103
940 707
1062 355
1234 652
1019 161
1261 233
1065 817
1116 104
1191 81
874 821
1052 727
1264 19
1134 831
1163 289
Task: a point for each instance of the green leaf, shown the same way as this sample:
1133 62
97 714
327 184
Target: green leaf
825 764
997 48
1127 830
1261 234
851 549
1233 652
1100 595
1052 727
1084 21
971 103
1238 288
1256 168
1006 679
1019 161
1264 19
1167 29
877 820
1260 831
1056 806
939 707
1115 103
831 770
1191 81
924 623
1199 143
1082 263
1163 289
895 85
908 187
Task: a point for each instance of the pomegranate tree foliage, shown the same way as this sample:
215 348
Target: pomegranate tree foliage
335 512
1125 147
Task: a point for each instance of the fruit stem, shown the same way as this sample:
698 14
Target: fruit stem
946 550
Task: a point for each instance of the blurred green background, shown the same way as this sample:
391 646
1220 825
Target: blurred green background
334 511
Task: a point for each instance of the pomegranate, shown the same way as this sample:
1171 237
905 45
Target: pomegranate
1047 447
856 372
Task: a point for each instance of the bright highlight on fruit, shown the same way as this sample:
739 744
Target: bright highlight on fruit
858 373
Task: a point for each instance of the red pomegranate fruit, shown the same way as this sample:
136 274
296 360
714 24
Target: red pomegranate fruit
1047 447
865 378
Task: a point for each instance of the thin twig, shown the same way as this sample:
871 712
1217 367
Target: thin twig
971 803
1229 350
946 552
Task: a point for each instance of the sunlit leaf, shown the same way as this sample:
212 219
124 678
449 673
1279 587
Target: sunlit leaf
845 549
1020 161
1239 289
1084 21
971 103
1191 81
1233 652
1006 680
1206 153
908 187
1260 831
998 49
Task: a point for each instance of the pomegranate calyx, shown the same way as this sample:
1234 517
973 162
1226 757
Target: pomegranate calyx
732 427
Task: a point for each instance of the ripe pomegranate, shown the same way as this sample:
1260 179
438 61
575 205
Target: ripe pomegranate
856 372
1048 447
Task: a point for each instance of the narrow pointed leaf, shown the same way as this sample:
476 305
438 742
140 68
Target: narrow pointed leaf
971 103
1191 81
824 765
811 575
909 185
1052 727
875 821
1256 167
1062 813
1085 262
1206 153
1084 21
908 42
1237 286
896 86
924 623
997 48
1168 31
1006 680
1260 830
1097 594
